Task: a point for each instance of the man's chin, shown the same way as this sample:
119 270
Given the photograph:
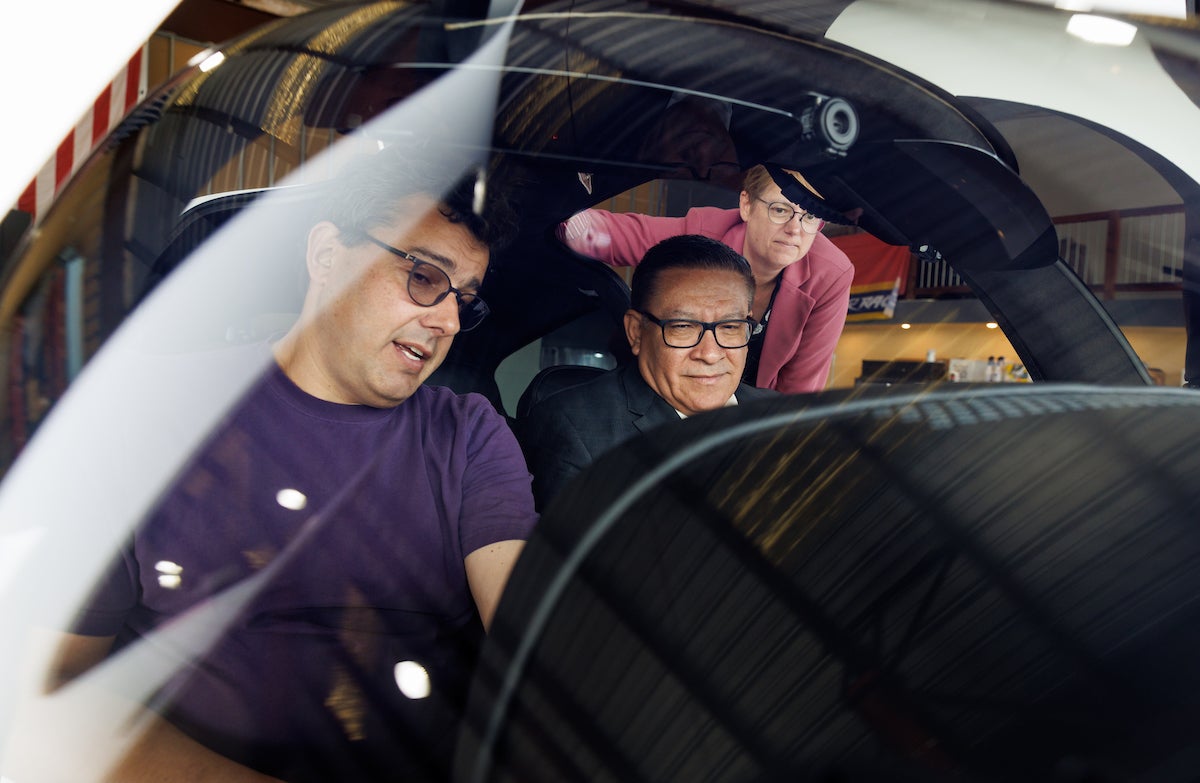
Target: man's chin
396 390
432 365
709 401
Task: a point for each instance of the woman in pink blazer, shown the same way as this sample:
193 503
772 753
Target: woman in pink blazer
802 281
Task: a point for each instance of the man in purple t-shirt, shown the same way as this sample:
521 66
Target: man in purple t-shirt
365 522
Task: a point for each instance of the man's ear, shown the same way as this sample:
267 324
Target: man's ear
744 204
633 331
322 240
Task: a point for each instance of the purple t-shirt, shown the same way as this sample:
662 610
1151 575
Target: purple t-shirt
366 574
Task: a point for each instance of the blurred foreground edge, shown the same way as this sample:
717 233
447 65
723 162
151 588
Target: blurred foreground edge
961 584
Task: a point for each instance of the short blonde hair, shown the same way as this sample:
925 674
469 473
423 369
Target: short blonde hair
759 179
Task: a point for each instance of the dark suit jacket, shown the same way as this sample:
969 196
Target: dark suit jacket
569 430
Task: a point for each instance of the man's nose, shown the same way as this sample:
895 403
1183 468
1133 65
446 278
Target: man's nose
707 349
443 316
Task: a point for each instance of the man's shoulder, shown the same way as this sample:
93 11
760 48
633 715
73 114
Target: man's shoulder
747 393
582 396
429 394
444 407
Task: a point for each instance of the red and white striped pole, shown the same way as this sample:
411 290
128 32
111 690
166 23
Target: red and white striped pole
124 92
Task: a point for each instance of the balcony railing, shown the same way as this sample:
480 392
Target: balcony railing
1131 250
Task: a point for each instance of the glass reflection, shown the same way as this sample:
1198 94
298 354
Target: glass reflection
277 651
292 499
413 680
170 575
692 140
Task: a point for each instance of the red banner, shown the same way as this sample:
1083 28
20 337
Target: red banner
875 262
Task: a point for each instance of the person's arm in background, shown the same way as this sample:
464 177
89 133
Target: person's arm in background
808 369
617 238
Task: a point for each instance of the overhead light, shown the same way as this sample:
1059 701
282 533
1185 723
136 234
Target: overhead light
199 57
1101 30
212 62
1171 9
992 325
905 326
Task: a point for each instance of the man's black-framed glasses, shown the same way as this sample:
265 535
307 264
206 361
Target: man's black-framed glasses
686 333
428 285
780 212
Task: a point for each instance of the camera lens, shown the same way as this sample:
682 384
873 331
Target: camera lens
838 123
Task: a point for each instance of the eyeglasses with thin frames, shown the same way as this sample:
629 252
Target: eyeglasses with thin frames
686 333
428 285
780 212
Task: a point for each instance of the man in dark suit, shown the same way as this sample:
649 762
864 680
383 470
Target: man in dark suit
688 327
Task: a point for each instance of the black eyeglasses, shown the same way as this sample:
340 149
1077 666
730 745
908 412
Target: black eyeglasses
428 285
685 333
780 212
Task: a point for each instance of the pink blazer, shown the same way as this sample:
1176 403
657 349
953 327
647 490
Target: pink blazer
810 307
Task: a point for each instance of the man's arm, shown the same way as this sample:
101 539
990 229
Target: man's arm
498 509
78 706
164 754
76 711
76 725
73 655
487 572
